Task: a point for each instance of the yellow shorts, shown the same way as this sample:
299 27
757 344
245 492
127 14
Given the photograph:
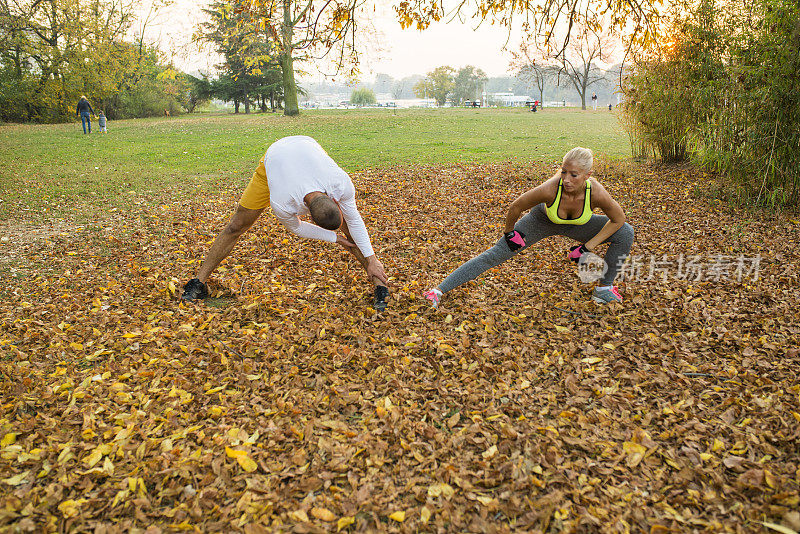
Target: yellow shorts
256 195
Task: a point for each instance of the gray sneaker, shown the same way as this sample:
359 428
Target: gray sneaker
604 296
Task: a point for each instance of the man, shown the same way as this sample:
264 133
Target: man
84 109
296 177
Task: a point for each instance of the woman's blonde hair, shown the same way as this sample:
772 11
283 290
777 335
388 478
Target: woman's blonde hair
581 157
83 98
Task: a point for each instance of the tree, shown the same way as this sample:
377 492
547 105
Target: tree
53 51
589 46
246 51
200 91
724 91
362 97
404 88
305 29
542 19
535 67
437 85
467 84
383 83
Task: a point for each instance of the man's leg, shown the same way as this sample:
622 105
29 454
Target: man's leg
241 221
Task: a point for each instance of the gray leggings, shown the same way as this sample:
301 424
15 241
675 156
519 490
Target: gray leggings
536 226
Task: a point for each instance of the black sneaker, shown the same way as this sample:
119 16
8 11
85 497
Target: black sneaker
381 292
194 289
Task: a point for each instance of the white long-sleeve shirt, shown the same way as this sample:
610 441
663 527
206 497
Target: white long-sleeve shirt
297 166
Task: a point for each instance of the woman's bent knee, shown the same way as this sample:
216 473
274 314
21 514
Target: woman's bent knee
625 233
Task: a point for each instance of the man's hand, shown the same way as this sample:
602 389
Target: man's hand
347 245
375 270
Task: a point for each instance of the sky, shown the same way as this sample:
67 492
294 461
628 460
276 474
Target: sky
394 51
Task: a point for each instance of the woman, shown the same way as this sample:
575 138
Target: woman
561 206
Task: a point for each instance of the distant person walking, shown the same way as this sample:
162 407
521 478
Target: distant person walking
85 111
101 122
594 101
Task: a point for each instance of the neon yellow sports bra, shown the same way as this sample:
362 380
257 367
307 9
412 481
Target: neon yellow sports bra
552 209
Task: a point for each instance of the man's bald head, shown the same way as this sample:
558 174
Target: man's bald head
325 212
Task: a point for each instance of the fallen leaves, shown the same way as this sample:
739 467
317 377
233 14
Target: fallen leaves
289 409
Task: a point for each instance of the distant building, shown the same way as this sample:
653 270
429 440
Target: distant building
508 100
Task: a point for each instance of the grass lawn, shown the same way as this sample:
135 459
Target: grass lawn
56 167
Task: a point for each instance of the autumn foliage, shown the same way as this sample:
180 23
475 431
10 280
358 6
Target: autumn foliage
287 403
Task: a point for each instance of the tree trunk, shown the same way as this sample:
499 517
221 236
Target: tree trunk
236 105
290 107
246 105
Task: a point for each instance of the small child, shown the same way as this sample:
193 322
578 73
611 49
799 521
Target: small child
101 121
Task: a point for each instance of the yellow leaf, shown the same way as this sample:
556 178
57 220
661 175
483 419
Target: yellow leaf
344 522
215 390
425 514
631 447
299 515
8 439
609 346
434 490
93 457
717 445
490 452
119 497
779 528
635 452
247 463
447 348
70 507
398 516
323 514
560 328
484 500
592 360
76 346
233 453
17 479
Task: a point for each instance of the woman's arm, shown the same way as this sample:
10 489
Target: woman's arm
616 217
529 199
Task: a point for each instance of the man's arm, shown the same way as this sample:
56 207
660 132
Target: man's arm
371 264
355 224
302 228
